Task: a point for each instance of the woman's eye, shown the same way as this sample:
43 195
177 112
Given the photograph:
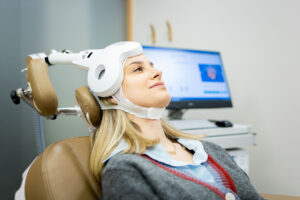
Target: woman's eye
138 69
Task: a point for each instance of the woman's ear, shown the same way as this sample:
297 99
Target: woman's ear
113 101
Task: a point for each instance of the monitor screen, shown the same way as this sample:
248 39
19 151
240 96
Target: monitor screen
194 78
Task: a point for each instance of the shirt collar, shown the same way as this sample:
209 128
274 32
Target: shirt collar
158 153
121 147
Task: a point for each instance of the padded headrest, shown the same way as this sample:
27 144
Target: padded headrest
43 94
88 105
44 97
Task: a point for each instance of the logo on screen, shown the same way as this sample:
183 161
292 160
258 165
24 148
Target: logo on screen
211 73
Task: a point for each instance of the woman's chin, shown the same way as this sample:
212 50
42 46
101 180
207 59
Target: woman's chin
163 102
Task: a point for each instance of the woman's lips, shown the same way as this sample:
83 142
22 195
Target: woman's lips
157 84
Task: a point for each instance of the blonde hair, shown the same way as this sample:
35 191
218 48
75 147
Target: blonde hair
115 125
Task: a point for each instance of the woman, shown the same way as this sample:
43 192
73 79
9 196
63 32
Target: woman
137 156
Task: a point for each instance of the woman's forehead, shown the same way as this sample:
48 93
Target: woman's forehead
138 58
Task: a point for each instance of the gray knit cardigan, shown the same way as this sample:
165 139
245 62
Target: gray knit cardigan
131 176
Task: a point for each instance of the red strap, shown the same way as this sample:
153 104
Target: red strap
222 172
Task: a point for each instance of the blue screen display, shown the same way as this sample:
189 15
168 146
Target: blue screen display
190 74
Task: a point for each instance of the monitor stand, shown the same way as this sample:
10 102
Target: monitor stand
175 119
175 114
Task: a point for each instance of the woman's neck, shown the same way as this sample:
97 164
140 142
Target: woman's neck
152 128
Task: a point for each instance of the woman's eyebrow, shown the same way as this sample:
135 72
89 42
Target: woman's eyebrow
136 62
140 63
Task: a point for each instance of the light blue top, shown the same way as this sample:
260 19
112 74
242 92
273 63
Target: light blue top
197 170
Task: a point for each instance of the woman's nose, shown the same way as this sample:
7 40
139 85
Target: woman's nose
157 74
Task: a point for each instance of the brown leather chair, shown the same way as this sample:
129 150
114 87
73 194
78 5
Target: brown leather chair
62 171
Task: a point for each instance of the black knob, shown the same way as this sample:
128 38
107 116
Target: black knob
14 97
53 117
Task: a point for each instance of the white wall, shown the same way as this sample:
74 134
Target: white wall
259 41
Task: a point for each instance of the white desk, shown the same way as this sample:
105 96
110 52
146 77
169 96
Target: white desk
234 139
237 136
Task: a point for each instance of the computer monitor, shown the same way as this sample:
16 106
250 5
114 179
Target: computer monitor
194 78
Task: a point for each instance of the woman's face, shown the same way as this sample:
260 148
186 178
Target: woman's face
142 83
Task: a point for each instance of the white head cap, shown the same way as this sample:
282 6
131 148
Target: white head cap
105 79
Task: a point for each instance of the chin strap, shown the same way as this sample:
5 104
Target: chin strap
127 106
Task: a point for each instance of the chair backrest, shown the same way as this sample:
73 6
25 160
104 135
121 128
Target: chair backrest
63 172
